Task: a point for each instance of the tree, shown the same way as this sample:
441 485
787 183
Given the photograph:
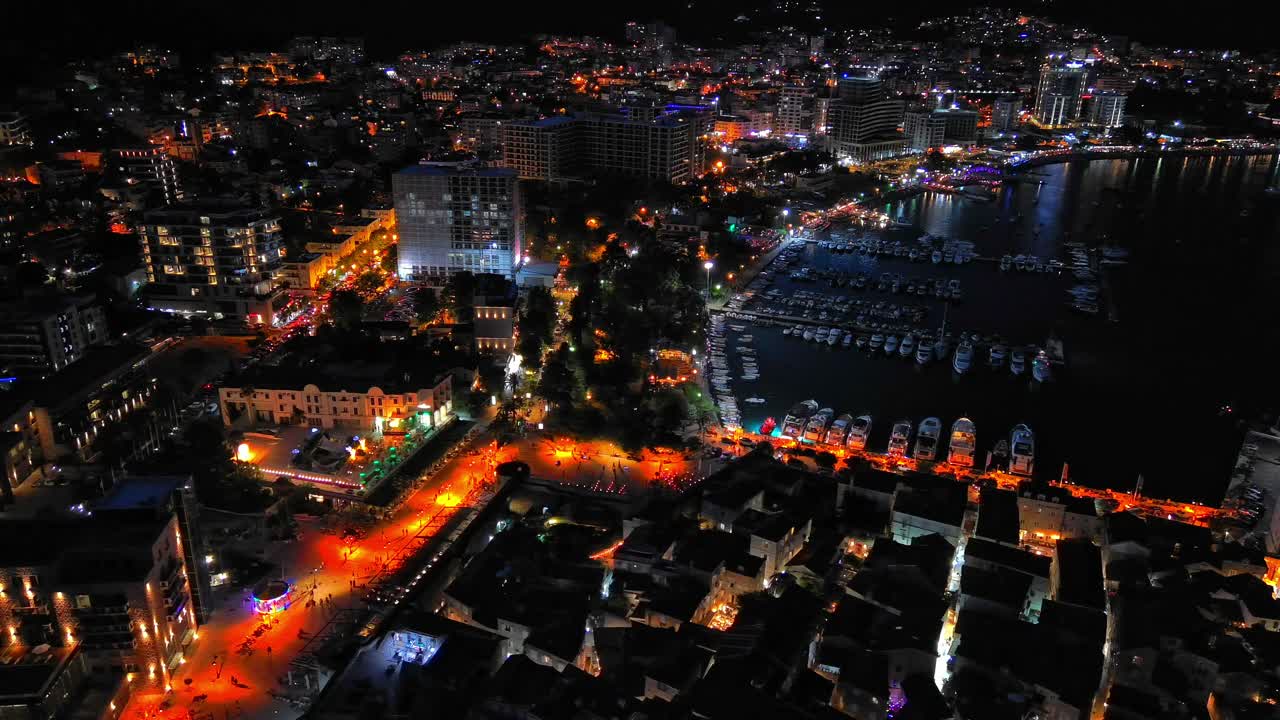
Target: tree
346 307
531 350
426 305
539 316
368 282
671 410
559 384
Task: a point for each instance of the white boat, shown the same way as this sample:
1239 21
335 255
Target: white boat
877 341
833 339
786 332
816 429
794 422
861 342
899 437
937 257
808 333
908 346
847 341
737 328
997 355
964 441
924 351
859 431
1018 362
1040 368
839 429
1022 458
927 438
963 360
891 344
941 348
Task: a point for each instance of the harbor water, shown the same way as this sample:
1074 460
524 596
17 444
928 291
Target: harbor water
1155 384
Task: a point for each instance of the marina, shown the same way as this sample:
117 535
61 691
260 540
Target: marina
1041 284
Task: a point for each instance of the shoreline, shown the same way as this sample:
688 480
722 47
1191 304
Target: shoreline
1135 154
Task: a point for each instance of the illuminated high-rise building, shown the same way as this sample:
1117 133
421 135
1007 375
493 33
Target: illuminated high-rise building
149 166
794 112
454 218
1105 109
1004 114
864 122
213 259
1059 95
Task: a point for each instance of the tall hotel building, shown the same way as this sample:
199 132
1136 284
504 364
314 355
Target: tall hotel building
213 259
664 144
455 218
864 122
149 166
1059 95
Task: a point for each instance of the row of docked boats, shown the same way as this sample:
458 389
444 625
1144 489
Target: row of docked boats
1029 264
896 283
806 422
927 248
718 373
925 349
838 309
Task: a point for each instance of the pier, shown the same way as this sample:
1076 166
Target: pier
1192 513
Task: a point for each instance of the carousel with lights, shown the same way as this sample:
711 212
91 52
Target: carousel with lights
272 596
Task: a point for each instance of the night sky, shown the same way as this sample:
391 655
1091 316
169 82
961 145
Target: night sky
47 31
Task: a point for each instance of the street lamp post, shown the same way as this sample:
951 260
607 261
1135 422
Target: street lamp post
707 266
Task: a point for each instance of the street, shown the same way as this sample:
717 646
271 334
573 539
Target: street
236 666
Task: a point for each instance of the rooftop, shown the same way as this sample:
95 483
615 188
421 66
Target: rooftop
452 169
1013 558
998 516
406 366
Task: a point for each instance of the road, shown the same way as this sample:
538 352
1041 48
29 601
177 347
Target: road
330 576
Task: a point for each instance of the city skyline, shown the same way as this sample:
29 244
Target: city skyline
679 362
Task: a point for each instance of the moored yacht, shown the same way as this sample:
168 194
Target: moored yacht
794 422
927 438
838 429
1018 362
877 341
1022 457
997 355
941 348
964 357
891 344
899 437
999 458
964 440
816 429
1040 369
859 431
908 346
924 351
